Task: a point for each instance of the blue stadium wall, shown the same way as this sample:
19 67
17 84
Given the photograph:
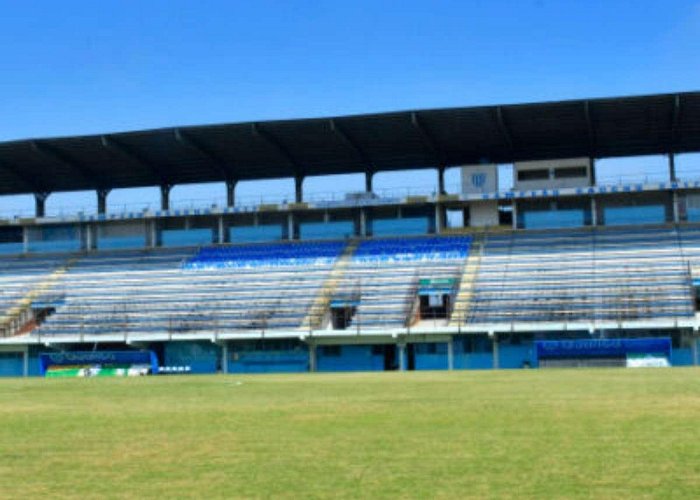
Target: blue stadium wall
473 352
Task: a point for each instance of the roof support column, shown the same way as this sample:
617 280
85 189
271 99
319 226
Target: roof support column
40 203
221 230
494 352
290 226
165 196
369 176
676 208
401 353
102 200
312 356
450 354
672 167
25 361
231 193
439 218
591 166
25 239
224 357
441 180
298 188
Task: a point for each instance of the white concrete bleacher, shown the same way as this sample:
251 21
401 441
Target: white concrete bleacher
582 275
384 274
176 291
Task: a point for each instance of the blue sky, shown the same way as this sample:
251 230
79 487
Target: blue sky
87 67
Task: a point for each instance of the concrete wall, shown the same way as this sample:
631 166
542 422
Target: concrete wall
483 213
293 361
202 357
11 364
349 358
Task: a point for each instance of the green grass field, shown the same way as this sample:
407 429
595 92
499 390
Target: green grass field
538 433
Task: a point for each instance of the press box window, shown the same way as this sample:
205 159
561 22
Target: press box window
570 172
533 175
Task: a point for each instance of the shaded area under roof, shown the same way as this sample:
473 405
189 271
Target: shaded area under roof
599 128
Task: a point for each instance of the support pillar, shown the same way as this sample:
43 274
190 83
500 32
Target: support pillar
591 166
401 351
40 203
154 233
515 215
89 237
363 222
439 222
495 351
25 239
102 200
450 354
25 361
224 358
441 181
594 212
165 197
369 176
290 226
298 188
672 167
312 357
230 193
221 229
676 211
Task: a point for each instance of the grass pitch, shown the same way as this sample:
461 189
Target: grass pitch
538 433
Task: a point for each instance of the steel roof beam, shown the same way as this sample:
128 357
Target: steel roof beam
52 155
587 114
216 164
280 148
352 144
27 181
675 118
428 140
118 148
504 130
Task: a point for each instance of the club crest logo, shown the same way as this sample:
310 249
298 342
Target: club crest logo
478 180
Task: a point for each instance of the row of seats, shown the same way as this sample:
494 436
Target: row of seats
575 275
242 287
384 273
413 249
582 275
277 254
20 275
156 292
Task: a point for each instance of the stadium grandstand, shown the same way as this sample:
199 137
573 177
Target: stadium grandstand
558 270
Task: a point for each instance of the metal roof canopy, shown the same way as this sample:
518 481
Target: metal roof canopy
437 138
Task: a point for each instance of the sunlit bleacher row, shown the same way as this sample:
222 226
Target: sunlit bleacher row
557 276
20 275
582 275
188 291
384 275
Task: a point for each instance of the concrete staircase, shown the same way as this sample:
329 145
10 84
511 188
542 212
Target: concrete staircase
14 320
319 309
466 284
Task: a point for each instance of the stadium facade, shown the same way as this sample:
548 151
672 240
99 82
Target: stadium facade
609 273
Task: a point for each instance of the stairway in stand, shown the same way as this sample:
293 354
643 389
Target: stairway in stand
466 283
14 321
319 309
